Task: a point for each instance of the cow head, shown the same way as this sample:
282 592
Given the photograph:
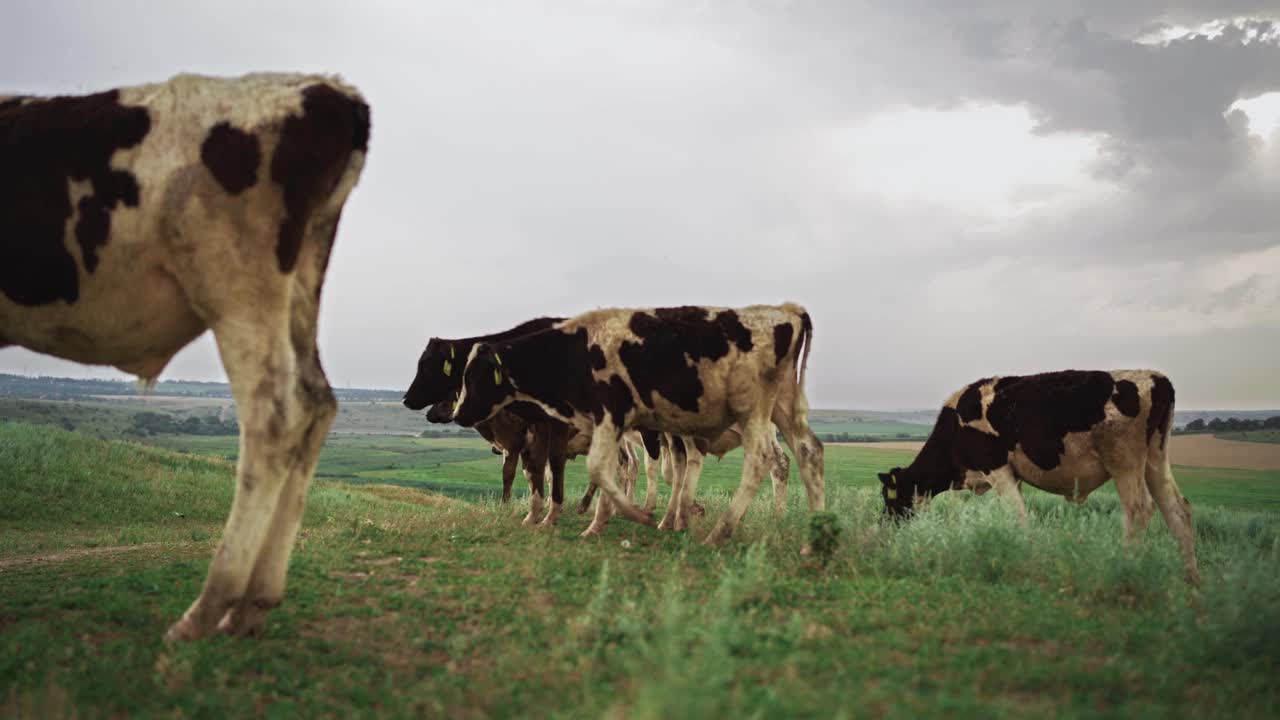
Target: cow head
486 387
898 490
439 376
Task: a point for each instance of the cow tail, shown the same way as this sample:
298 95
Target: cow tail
802 354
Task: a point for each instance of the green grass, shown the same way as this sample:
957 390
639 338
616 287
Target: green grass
406 603
1262 436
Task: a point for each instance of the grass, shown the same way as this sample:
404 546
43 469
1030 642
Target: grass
403 602
1262 436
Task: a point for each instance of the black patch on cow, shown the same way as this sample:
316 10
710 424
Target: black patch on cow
432 385
314 148
1161 408
672 341
1036 412
970 404
598 360
553 366
936 468
615 398
782 340
652 443
678 448
529 412
1126 398
806 324
43 144
232 156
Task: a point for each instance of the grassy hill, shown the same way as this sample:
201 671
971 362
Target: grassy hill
406 602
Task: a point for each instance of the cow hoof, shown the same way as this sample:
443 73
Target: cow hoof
184 630
583 507
529 519
698 510
718 534
592 531
245 624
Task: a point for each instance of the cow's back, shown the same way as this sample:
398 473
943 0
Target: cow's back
116 207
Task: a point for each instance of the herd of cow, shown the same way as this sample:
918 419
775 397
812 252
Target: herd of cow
133 220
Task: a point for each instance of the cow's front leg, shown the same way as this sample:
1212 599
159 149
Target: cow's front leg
602 466
1006 486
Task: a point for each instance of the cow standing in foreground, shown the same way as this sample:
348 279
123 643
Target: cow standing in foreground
1063 432
689 371
136 219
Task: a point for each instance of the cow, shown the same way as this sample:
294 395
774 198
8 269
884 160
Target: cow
1066 433
690 371
133 220
520 431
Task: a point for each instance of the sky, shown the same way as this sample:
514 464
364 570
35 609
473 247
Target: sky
953 190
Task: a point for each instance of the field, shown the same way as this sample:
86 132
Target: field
1258 436
405 601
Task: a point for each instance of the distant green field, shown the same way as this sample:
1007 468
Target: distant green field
407 604
466 467
1261 436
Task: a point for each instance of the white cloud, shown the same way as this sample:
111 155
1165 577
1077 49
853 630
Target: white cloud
978 160
1263 112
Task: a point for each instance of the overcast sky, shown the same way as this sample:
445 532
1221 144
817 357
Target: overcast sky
1011 187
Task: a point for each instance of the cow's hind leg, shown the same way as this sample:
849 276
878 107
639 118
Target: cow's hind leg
1175 508
755 463
267 584
261 367
779 472
789 416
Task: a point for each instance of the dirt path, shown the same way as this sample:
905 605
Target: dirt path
1194 450
76 553
1209 451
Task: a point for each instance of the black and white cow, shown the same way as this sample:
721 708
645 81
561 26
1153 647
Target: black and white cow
689 371
521 431
132 221
1063 432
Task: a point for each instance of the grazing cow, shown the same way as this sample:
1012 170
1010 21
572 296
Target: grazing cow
690 371
1064 432
134 220
520 431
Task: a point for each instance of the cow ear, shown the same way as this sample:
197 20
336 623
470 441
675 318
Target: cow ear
884 478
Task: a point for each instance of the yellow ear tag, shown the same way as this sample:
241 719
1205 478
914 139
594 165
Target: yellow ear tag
497 359
453 352
448 368
892 494
497 376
